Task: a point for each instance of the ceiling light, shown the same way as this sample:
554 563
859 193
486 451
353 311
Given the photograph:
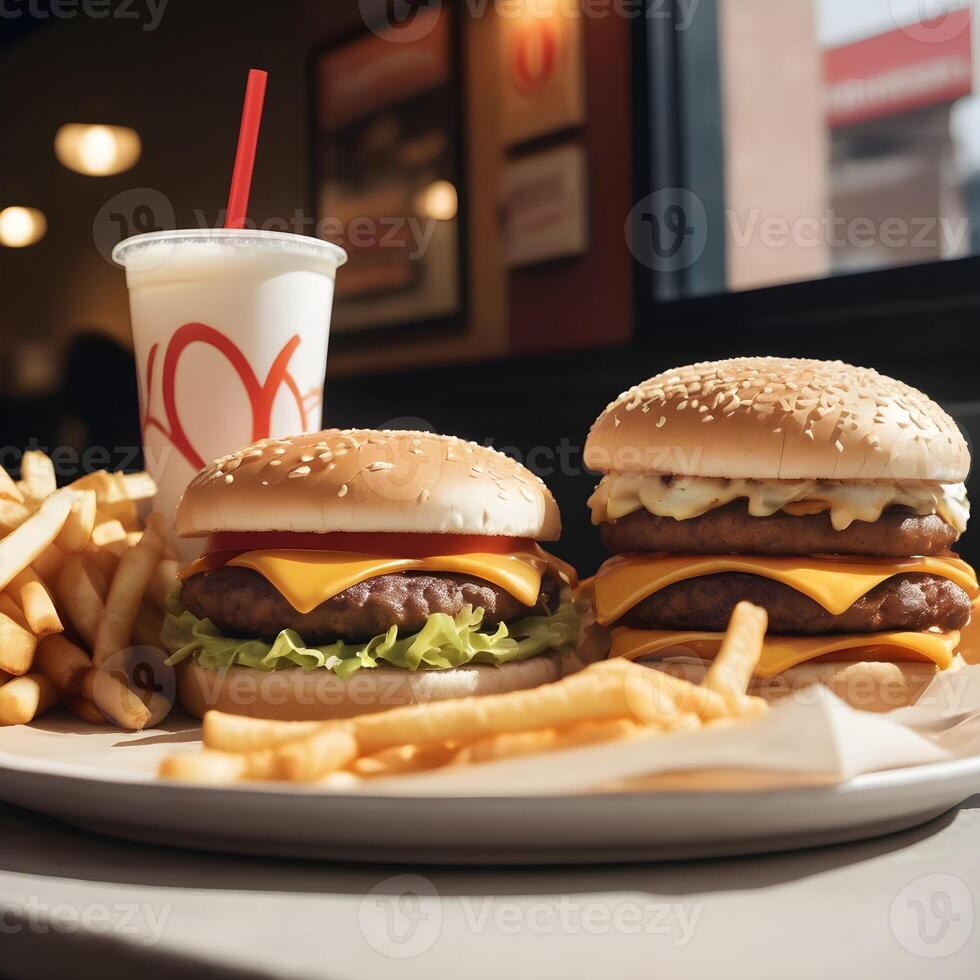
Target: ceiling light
97 151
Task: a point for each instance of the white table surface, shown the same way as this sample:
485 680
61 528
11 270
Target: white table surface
74 904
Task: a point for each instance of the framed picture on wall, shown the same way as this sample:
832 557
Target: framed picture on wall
388 174
545 205
542 70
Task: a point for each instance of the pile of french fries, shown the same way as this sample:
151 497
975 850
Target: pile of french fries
80 580
607 701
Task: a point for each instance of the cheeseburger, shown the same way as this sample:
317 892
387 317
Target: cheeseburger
351 571
828 494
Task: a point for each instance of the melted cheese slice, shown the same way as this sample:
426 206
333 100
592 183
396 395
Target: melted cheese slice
835 583
307 578
782 652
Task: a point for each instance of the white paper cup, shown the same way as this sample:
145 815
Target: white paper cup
230 329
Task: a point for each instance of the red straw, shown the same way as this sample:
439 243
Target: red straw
248 138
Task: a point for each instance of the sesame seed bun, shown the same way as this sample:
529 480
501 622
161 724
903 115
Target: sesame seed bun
769 418
366 480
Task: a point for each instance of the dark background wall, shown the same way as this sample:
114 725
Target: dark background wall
572 334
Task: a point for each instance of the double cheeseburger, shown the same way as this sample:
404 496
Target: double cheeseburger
352 571
828 494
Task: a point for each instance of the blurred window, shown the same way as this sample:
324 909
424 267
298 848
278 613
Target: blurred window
821 137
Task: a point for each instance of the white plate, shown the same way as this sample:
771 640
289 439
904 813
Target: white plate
104 782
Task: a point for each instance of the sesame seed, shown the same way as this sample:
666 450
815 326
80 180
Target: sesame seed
275 462
229 478
298 471
279 452
342 492
379 465
662 421
306 458
325 457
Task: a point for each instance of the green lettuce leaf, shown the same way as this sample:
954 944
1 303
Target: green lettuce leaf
444 641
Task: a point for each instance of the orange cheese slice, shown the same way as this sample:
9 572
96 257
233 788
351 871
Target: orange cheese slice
307 578
835 583
782 652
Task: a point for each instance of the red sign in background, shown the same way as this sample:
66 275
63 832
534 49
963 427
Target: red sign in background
910 68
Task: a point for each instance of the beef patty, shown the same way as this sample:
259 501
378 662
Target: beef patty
240 602
913 602
731 529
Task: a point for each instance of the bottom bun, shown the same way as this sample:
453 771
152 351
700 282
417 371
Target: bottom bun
867 685
320 695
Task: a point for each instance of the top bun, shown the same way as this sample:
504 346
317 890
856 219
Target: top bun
365 480
770 418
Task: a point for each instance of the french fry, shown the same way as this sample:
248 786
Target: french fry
327 751
652 692
597 693
62 662
99 580
115 700
126 592
13 513
25 543
120 547
48 563
17 646
206 766
8 488
101 481
148 625
10 608
238 733
529 743
35 600
83 710
106 532
164 578
730 673
105 563
80 521
122 510
37 475
79 598
138 486
405 758
24 698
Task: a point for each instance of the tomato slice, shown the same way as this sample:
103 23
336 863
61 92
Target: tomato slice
383 544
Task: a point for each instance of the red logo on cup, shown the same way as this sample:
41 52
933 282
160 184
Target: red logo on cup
261 395
535 53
